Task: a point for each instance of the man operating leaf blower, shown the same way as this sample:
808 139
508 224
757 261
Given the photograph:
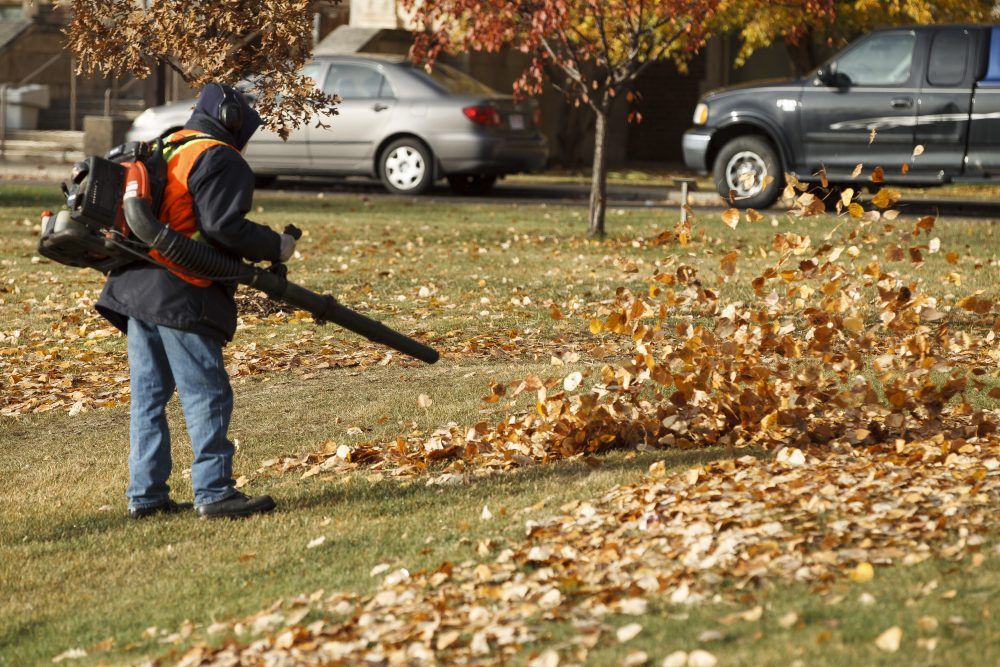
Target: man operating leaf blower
167 221
177 324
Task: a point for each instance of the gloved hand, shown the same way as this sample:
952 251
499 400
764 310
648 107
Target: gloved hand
287 247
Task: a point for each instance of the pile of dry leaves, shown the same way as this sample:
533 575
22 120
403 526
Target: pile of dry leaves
69 366
717 533
835 342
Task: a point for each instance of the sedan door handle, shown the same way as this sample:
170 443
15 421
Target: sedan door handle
901 102
378 106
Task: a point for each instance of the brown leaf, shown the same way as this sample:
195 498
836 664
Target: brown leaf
731 217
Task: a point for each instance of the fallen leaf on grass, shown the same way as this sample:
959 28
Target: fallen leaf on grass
788 620
572 381
628 632
70 654
675 659
701 658
635 658
862 572
889 640
731 217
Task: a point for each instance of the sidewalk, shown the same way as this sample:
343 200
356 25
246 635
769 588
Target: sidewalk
37 172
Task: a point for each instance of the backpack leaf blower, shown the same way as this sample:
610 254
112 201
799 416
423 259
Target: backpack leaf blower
111 222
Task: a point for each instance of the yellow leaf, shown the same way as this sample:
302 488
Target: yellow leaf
862 572
854 324
886 198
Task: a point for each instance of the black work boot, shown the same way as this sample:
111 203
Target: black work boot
166 507
235 506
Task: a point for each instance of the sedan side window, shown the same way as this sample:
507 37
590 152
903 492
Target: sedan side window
311 71
355 82
881 60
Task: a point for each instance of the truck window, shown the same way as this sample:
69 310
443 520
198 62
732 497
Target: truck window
880 60
949 58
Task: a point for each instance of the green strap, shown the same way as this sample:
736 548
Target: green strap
172 148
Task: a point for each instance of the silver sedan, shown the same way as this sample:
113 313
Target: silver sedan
396 122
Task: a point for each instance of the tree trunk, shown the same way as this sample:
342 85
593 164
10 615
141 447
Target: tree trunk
599 178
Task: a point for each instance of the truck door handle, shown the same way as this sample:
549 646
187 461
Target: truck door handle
901 102
378 106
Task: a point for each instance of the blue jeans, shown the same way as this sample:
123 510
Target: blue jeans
160 359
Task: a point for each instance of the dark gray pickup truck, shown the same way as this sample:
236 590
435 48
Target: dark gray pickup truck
926 97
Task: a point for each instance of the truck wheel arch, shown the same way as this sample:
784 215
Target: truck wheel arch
729 132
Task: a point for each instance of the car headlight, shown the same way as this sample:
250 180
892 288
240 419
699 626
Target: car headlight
701 114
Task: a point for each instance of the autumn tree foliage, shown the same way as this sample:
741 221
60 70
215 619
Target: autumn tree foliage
591 50
205 41
804 25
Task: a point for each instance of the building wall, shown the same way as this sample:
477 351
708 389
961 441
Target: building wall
43 42
374 14
665 97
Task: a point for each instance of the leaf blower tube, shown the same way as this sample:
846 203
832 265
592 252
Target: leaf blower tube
202 259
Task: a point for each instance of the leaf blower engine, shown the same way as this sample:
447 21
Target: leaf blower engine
110 221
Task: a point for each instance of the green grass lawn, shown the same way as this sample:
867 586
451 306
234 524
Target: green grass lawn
75 573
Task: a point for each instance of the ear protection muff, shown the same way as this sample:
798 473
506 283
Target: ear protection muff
230 111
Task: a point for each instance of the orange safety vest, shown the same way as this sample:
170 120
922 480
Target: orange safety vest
181 151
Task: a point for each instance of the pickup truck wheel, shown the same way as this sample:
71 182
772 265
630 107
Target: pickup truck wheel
406 167
749 168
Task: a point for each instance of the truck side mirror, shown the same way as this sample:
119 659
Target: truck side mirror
828 75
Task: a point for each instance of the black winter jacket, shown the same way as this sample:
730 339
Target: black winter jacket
221 184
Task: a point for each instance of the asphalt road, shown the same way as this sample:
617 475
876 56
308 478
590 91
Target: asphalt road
619 196
552 193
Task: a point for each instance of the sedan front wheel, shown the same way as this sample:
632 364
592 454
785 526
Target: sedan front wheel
406 167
